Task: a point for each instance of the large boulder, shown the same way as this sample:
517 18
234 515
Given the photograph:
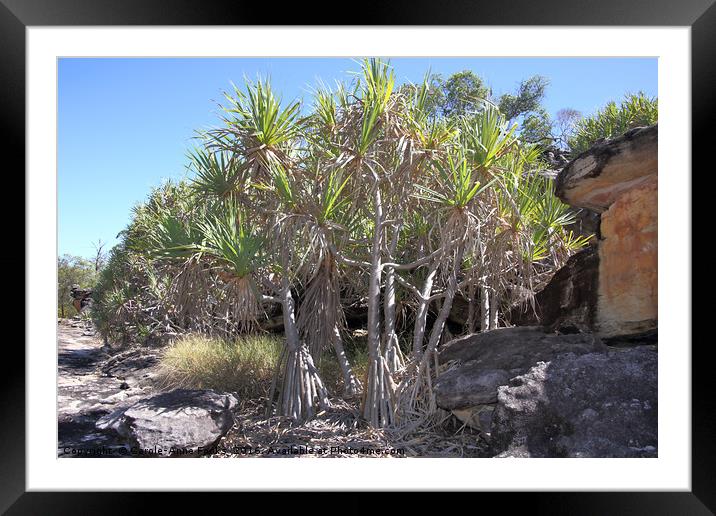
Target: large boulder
596 178
81 298
628 262
568 303
489 360
611 288
175 422
589 405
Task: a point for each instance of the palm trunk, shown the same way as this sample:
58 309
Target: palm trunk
421 314
471 309
484 309
437 329
419 398
377 397
351 385
393 355
289 317
392 348
494 310
302 386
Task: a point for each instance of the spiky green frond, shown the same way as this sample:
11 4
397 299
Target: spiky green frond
230 239
486 136
257 112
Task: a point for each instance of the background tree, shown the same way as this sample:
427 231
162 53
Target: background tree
528 98
537 128
72 270
100 256
463 92
565 122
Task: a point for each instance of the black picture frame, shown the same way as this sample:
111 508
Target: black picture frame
700 15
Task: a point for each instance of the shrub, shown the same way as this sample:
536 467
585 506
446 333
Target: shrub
244 366
612 120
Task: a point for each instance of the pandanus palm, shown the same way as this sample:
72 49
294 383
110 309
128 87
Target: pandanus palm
234 248
320 316
257 130
365 154
264 137
531 230
416 205
456 186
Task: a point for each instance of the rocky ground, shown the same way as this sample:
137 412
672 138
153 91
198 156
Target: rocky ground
92 383
110 402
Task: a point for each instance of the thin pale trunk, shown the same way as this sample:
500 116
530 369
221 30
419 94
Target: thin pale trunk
437 329
377 395
471 309
494 310
484 309
289 318
392 348
302 386
421 392
393 355
374 280
350 382
421 314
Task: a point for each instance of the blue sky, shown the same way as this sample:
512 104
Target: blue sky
124 125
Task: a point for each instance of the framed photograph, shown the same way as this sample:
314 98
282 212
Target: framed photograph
433 237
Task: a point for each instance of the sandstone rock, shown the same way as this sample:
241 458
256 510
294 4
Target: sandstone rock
590 405
469 386
84 394
555 157
586 223
514 348
491 358
612 288
81 298
568 303
599 175
177 421
628 263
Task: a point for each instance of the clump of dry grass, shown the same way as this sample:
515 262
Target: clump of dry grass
244 366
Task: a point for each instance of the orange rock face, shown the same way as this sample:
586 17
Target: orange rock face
627 300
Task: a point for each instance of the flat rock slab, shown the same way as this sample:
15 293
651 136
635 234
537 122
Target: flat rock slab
590 405
491 358
173 423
